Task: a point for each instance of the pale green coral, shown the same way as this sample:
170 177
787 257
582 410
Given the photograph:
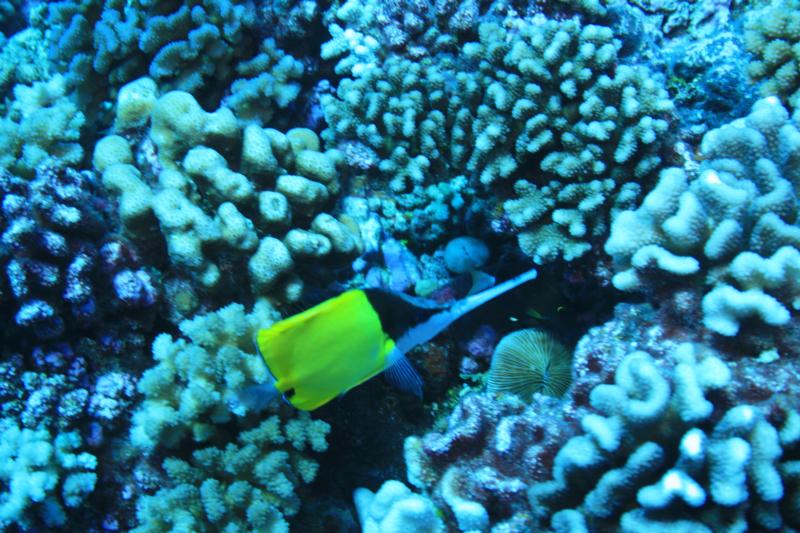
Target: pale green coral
196 381
250 485
222 193
42 477
135 102
735 222
178 123
772 35
42 122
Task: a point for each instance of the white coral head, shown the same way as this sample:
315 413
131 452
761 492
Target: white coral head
712 178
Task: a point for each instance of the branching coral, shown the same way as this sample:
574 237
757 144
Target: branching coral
551 96
178 43
224 198
23 60
42 122
63 270
209 48
772 34
195 384
734 223
190 395
247 485
363 31
41 475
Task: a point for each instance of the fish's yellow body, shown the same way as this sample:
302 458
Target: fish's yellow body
327 350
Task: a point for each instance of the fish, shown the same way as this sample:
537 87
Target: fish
321 353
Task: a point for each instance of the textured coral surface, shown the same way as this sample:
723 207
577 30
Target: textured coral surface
177 176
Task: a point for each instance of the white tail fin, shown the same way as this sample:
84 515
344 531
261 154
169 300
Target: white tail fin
434 325
258 396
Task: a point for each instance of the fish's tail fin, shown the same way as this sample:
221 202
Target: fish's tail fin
258 396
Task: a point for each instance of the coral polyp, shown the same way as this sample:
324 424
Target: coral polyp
530 361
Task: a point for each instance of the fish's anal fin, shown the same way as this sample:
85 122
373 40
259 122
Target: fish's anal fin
402 375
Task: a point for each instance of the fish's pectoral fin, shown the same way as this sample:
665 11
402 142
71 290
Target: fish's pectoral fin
402 375
480 282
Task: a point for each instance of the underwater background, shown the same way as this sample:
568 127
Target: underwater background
178 175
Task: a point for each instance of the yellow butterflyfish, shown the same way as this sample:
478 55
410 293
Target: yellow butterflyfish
321 353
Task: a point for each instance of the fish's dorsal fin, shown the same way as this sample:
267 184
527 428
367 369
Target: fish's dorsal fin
425 331
402 375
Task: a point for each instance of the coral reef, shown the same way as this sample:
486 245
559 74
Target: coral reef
659 451
395 509
707 81
191 395
10 21
41 123
364 31
728 228
551 96
180 44
65 270
479 465
771 34
177 175
293 23
213 49
224 198
41 475
23 60
656 432
272 76
195 384
247 485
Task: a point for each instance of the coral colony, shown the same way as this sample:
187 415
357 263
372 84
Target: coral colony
178 176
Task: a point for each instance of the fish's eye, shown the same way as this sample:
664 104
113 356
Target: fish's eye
288 394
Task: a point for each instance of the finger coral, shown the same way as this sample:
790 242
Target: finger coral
730 228
247 485
225 197
497 111
674 436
